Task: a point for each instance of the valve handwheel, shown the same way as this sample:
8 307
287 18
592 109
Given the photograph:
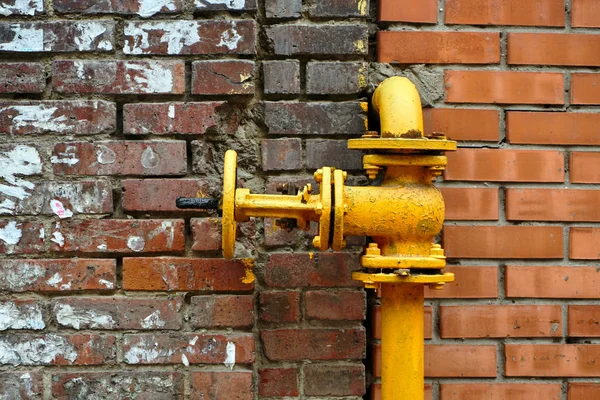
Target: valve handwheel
228 219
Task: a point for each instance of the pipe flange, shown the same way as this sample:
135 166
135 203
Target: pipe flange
377 261
338 242
228 223
392 144
370 279
324 177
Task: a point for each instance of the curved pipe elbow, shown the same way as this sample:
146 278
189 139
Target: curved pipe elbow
398 104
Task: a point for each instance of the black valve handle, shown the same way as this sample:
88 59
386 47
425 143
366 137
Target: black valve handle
197 203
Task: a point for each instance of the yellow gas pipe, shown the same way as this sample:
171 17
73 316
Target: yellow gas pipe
402 216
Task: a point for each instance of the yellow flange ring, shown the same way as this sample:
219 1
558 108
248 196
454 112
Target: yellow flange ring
337 243
393 278
228 219
325 219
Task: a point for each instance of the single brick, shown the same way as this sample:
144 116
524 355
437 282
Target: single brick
57 36
324 39
283 8
22 314
221 385
501 391
65 117
582 167
281 306
120 157
462 124
339 8
188 348
547 360
278 382
63 199
222 77
28 7
21 237
118 77
339 305
555 128
552 205
57 275
160 194
505 165
553 49
183 37
585 14
314 344
583 391
504 87
118 384
141 8
187 274
234 6
460 361
21 385
281 77
470 282
195 118
206 233
584 320
505 12
584 243
16 162
503 241
334 153
117 313
334 380
292 270
499 321
475 204
281 154
326 77
119 236
52 349
585 88
419 47
315 118
420 11
22 77
552 282
224 311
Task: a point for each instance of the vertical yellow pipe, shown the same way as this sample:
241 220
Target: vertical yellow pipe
402 346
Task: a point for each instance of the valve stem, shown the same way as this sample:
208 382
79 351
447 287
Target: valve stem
197 203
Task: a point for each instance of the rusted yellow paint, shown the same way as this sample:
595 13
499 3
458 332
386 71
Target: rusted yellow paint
359 45
311 255
362 7
249 277
399 106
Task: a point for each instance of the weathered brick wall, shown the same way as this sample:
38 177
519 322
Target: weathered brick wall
109 110
516 83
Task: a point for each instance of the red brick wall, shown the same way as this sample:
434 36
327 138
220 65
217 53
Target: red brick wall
109 110
514 81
